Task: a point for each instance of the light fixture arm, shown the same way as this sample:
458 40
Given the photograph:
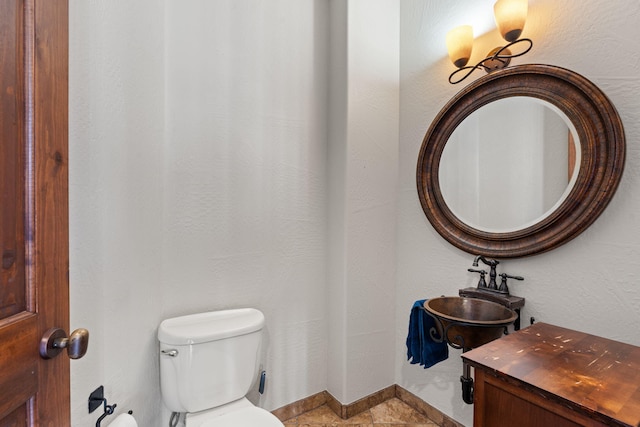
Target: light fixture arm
498 59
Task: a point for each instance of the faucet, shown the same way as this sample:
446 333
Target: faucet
492 263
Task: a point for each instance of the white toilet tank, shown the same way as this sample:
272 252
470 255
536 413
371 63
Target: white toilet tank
209 359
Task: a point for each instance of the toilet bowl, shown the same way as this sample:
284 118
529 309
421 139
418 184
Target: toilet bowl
240 413
208 363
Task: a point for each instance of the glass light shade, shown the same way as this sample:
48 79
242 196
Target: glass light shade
459 45
510 17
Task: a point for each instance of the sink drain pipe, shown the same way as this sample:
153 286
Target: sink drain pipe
467 383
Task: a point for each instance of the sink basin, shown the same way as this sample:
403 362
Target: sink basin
469 322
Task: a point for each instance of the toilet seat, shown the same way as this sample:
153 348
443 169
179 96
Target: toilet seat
239 413
247 417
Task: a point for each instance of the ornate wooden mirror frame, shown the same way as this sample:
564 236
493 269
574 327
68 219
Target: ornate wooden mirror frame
602 145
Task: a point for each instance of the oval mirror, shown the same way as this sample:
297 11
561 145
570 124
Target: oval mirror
520 161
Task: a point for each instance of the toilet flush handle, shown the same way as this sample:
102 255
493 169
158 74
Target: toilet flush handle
173 352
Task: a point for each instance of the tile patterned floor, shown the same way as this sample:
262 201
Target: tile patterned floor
392 413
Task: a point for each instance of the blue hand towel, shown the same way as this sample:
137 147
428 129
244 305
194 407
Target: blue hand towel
421 348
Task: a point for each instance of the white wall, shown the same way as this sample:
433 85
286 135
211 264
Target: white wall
200 180
116 115
363 151
588 284
245 175
197 182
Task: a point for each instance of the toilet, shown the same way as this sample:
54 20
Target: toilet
208 363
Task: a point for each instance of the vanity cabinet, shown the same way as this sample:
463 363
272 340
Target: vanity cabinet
548 376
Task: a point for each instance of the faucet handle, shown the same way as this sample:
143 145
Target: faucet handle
503 284
505 276
481 283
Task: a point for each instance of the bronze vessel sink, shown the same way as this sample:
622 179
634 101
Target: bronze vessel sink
468 323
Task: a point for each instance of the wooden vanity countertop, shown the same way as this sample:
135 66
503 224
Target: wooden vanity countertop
591 374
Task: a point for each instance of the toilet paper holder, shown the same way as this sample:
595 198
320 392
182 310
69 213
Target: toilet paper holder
96 398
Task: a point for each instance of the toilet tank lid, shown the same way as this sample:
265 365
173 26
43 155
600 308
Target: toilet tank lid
210 326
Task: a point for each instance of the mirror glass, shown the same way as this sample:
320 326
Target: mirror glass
509 164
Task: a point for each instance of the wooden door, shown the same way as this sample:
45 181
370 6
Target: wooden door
34 245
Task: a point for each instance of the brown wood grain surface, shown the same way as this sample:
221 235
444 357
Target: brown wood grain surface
34 244
590 375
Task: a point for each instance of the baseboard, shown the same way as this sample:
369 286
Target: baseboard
360 405
301 406
347 411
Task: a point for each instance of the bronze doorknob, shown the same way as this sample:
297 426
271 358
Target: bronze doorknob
55 340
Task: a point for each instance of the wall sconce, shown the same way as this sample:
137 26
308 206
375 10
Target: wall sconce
510 17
